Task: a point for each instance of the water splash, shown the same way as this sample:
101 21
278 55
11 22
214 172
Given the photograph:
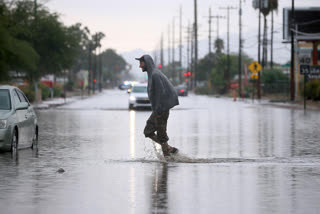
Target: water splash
183 158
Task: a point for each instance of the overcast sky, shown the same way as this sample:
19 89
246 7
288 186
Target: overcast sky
138 24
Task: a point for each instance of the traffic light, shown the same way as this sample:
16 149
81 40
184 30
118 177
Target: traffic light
159 66
186 74
95 80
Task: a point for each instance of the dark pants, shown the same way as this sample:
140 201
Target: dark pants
157 123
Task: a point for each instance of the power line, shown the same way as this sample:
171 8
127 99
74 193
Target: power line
227 73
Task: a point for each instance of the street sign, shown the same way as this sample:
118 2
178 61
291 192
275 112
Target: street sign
234 85
312 71
255 67
304 69
254 76
304 57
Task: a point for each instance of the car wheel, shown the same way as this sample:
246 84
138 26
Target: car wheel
14 142
35 140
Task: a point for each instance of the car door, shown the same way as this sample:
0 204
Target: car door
29 119
21 121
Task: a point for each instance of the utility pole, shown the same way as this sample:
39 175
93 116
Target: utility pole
155 57
173 49
195 44
94 70
188 46
227 73
271 56
189 54
161 50
218 17
100 69
265 43
180 39
259 52
169 45
192 56
240 49
209 37
180 46
89 69
292 87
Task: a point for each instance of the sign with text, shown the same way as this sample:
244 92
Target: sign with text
304 57
312 71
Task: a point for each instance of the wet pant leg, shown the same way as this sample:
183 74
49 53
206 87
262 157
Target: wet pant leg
157 123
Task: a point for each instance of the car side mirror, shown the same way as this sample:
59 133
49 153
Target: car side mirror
22 106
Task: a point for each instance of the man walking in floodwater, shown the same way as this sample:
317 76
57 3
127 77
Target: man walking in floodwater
163 97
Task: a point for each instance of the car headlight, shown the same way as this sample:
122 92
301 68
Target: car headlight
3 124
132 98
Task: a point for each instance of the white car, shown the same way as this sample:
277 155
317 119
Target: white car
18 120
138 96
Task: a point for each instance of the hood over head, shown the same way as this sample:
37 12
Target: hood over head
148 61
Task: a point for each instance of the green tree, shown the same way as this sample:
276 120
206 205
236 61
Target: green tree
112 66
206 65
211 68
37 41
15 52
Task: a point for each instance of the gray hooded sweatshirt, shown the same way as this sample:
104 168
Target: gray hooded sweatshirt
161 92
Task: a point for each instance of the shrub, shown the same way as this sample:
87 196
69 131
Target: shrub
312 90
69 85
45 91
29 92
57 90
202 90
270 76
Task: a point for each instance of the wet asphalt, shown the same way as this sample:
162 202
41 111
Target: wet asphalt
235 157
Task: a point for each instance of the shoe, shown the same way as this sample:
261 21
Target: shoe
166 151
173 150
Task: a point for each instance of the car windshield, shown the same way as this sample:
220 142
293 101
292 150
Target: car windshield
139 89
5 103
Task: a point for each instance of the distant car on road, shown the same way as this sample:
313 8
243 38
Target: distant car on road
182 90
139 96
18 120
126 85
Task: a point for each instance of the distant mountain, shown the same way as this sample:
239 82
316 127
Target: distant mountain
281 51
130 59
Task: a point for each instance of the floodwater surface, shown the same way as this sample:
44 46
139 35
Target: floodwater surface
235 157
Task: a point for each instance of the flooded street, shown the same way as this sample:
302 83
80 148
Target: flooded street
235 157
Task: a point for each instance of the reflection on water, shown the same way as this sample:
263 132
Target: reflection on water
132 192
160 189
234 158
132 123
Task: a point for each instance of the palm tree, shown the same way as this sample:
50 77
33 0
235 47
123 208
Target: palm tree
219 46
271 6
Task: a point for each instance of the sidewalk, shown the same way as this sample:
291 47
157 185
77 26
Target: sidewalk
51 103
72 96
310 105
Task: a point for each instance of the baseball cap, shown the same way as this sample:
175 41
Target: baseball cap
141 59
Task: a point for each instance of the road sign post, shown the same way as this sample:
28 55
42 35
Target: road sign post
254 67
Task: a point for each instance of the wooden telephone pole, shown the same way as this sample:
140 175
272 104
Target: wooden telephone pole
227 73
